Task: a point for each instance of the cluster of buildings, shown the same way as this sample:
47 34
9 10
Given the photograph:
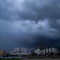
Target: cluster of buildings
26 52
20 51
46 51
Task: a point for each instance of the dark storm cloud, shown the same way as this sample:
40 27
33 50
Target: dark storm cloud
18 27
41 9
37 10
29 10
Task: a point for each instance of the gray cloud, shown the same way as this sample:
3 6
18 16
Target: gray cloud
41 9
37 10
29 21
9 9
30 10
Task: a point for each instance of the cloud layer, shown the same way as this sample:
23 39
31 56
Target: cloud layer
28 22
41 9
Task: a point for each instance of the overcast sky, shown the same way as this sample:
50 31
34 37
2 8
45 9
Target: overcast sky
24 23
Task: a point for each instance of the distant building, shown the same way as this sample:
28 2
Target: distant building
37 51
46 51
20 51
55 50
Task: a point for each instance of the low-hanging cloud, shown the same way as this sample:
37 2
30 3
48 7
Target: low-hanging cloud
28 21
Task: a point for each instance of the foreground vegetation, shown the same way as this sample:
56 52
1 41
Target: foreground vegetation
9 59
27 59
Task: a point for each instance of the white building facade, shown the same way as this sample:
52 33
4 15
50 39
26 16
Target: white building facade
20 51
46 51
